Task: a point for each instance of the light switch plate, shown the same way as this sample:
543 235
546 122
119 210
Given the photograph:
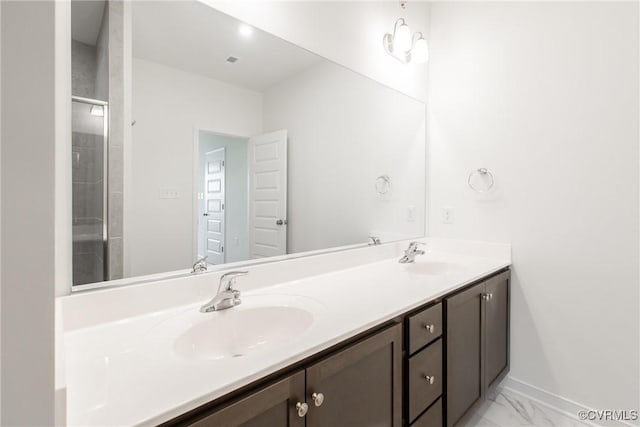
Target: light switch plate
169 193
411 213
447 215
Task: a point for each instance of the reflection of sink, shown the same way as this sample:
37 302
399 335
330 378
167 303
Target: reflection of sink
232 333
262 321
433 268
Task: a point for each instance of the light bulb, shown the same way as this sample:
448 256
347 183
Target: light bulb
97 110
420 51
402 38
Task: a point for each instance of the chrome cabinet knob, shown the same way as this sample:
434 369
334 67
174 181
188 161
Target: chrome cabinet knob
302 409
318 398
430 378
485 297
490 296
430 328
282 222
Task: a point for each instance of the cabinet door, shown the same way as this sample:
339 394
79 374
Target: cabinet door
464 349
497 329
272 406
361 385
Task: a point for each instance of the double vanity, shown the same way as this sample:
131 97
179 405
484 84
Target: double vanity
347 338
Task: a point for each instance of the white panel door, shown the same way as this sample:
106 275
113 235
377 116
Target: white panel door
268 194
213 215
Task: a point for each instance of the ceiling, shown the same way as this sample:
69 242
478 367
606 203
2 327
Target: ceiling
193 37
86 19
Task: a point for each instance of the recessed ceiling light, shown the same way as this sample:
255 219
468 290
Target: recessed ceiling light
97 110
231 59
245 30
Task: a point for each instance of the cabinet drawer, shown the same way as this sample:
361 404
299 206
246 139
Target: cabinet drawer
431 418
425 327
425 378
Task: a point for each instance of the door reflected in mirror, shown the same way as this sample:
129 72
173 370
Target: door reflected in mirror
244 146
242 197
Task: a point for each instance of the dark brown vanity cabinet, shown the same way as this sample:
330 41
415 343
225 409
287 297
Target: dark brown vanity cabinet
428 368
423 367
361 386
357 386
276 405
476 345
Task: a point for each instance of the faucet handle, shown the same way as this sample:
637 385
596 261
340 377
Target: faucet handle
375 240
200 265
227 280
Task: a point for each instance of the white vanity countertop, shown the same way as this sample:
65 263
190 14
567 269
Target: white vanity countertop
124 372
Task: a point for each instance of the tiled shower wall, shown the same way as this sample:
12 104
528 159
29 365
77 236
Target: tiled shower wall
115 17
87 176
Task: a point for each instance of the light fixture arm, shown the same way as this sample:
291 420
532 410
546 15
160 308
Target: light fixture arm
415 37
399 22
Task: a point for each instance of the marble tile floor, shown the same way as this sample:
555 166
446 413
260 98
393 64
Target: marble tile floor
508 409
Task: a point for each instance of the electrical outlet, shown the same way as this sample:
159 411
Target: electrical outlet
411 213
447 215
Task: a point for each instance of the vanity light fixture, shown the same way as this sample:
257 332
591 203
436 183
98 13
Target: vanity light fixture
403 46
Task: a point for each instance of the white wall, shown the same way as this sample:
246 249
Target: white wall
348 32
27 171
343 132
63 203
236 247
0 212
546 96
168 105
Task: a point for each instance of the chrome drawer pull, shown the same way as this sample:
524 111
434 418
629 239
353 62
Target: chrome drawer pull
430 328
430 378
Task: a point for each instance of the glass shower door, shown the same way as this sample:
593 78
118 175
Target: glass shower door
89 185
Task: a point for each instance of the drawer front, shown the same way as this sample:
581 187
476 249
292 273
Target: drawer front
425 327
431 418
425 378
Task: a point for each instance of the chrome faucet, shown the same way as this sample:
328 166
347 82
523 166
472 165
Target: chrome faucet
375 240
411 253
199 266
226 297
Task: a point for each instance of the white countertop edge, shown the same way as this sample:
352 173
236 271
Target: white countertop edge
248 379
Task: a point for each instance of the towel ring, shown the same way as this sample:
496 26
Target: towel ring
383 183
485 173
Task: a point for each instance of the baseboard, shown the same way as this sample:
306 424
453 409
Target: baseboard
558 403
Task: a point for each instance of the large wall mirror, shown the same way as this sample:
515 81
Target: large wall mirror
242 145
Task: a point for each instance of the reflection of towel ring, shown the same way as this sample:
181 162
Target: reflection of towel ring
484 173
383 183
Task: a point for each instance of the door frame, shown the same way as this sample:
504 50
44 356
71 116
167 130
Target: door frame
195 155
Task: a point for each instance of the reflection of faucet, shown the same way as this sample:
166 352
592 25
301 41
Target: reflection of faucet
226 297
200 266
375 240
411 253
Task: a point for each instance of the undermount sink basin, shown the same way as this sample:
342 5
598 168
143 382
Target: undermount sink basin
433 268
260 322
230 333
